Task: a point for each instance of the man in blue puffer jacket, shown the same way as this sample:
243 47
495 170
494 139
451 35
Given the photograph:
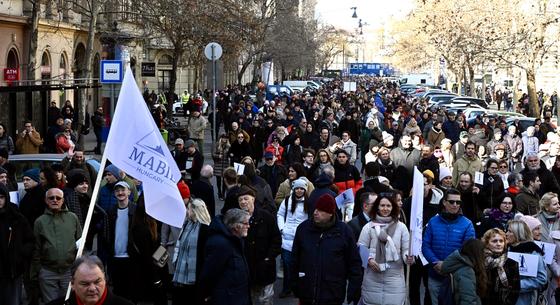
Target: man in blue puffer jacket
445 233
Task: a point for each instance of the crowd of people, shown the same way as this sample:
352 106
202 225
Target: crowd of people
489 190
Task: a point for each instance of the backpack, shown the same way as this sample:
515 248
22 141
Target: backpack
446 294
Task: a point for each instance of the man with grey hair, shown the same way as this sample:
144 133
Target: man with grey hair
549 183
225 274
89 284
56 233
202 188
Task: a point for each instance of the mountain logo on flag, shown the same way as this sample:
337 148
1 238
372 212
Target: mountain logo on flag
152 143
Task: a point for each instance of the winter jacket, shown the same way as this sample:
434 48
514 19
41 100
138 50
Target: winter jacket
106 198
32 205
202 188
386 287
197 160
435 137
196 127
262 246
110 299
347 176
527 202
324 261
322 186
471 207
530 145
29 143
491 191
493 218
443 236
7 143
386 169
350 147
112 217
225 272
530 286
497 293
548 225
464 278
288 221
16 241
274 175
220 156
357 224
451 130
406 158
548 181
515 147
55 241
432 164
239 150
285 190
465 164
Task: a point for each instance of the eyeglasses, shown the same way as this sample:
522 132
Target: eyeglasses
503 166
57 198
454 202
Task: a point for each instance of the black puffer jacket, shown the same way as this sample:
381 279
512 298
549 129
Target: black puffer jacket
32 205
16 240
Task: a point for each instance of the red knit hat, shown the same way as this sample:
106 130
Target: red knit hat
184 190
326 203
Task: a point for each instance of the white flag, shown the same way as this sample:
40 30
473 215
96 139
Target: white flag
416 213
136 146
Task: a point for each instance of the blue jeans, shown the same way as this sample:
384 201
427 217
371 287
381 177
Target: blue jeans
287 263
433 286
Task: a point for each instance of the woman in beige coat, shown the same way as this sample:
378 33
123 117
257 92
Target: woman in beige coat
388 241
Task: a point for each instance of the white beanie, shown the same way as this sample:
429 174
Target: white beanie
301 183
444 171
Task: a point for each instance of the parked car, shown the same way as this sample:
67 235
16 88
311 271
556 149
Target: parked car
432 99
27 161
472 100
471 113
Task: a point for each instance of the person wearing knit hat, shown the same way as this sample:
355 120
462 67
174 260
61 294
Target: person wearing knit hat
533 224
299 183
33 174
445 177
428 174
76 177
113 170
324 248
184 191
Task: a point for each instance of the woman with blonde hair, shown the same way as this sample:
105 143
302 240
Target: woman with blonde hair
189 254
520 240
549 216
503 282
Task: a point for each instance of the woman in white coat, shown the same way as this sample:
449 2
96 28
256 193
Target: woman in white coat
291 212
388 241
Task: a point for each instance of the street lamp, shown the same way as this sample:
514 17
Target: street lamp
354 15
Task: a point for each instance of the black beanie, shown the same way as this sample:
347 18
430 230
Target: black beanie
75 177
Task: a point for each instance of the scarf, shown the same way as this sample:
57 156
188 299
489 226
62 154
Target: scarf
449 216
500 216
494 261
385 251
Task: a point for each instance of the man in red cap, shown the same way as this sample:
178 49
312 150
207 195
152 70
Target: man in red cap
325 258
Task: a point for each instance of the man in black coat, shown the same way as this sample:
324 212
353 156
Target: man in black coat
202 188
326 259
194 161
16 248
224 279
429 161
366 200
272 172
262 246
32 205
371 184
89 285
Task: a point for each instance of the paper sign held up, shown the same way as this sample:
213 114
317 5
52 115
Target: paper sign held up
239 168
528 263
549 249
478 178
345 198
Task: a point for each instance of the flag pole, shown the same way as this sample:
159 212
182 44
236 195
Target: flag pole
89 213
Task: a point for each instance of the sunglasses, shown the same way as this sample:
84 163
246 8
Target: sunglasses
57 198
455 202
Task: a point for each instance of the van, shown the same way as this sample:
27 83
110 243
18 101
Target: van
301 84
418 79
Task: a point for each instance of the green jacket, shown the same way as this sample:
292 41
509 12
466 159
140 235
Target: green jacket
55 241
464 278
464 164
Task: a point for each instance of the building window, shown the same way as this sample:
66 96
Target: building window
12 61
45 66
163 80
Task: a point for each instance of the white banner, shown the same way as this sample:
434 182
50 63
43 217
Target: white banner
136 146
416 213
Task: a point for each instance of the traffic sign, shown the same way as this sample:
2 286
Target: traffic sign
111 72
213 51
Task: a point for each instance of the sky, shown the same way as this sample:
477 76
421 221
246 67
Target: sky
372 12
